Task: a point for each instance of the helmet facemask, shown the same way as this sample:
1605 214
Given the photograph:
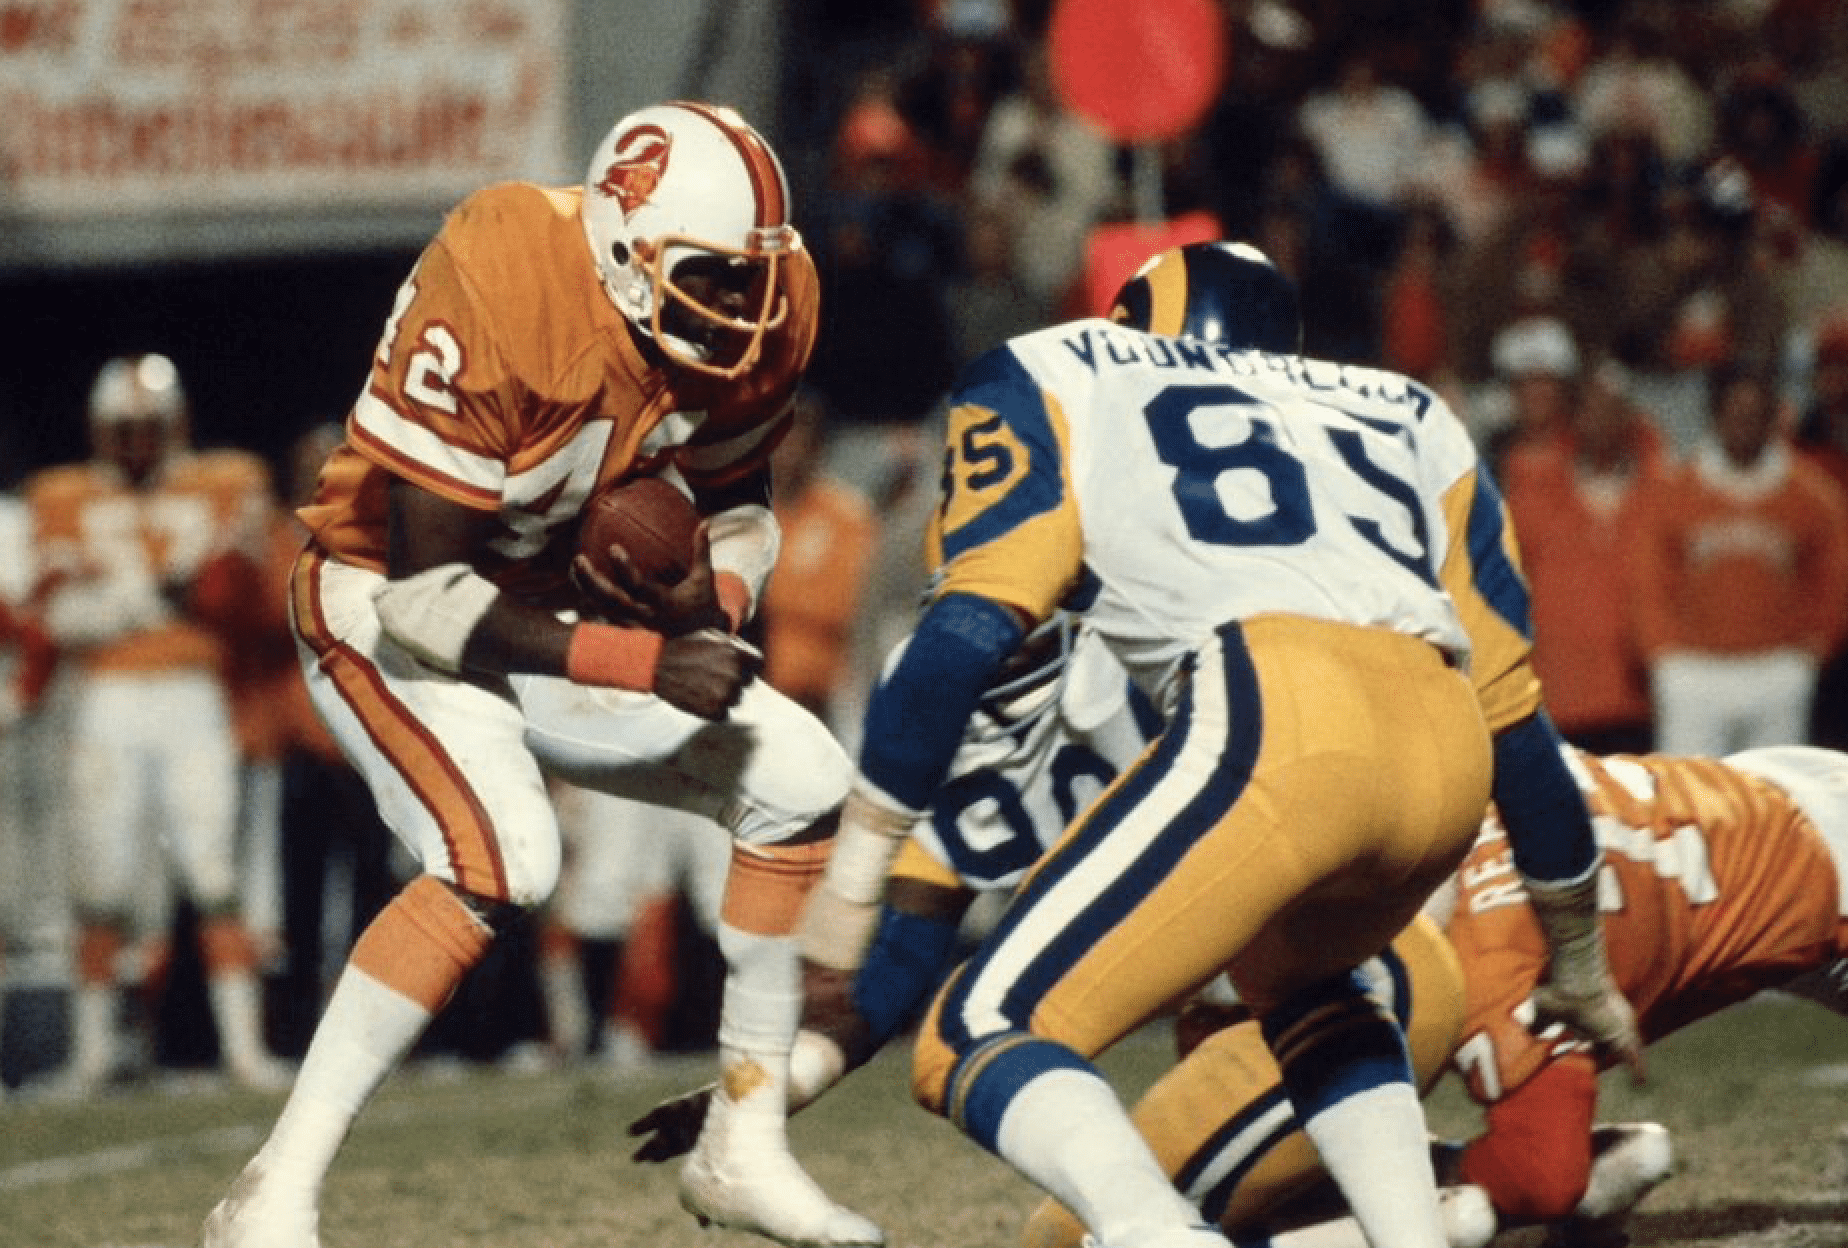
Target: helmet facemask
711 307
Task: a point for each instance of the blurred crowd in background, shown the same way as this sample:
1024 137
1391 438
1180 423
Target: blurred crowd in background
1612 235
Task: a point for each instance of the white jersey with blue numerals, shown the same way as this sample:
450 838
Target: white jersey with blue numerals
1031 758
1164 487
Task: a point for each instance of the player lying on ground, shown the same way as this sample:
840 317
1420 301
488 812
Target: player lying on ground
1719 879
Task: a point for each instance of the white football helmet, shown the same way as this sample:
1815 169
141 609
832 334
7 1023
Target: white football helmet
681 182
137 414
137 387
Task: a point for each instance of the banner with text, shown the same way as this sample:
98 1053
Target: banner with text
144 107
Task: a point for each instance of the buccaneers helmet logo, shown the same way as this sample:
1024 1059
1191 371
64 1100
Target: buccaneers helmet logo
641 159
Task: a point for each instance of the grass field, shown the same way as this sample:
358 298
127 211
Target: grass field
1757 1099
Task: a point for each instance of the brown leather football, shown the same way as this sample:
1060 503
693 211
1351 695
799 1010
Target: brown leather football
650 519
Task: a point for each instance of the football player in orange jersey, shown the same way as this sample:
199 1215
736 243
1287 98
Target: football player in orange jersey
140 545
655 319
812 605
1719 879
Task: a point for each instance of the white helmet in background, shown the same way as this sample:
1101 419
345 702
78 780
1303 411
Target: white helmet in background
137 414
685 182
138 387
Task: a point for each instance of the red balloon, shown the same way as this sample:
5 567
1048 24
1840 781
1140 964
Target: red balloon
1142 70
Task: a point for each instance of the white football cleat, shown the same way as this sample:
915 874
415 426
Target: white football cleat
252 1216
1469 1217
767 1191
1628 1160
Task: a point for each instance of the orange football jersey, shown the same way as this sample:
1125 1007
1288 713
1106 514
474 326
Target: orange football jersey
1714 886
507 381
89 522
830 534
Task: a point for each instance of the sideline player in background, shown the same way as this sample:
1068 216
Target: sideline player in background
146 548
1295 560
520 370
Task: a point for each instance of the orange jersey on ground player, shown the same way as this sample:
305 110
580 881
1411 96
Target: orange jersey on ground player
150 547
524 403
1715 885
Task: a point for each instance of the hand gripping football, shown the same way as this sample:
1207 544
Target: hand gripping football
651 520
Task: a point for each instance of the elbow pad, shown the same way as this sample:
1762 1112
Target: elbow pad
745 542
433 613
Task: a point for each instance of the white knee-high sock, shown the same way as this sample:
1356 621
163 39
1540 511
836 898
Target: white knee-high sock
1066 1130
757 1025
365 1032
1377 1147
1349 1078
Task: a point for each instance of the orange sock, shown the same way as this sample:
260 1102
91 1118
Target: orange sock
422 943
225 945
767 885
99 946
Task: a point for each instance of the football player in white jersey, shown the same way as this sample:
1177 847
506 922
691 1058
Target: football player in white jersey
146 547
1060 724
1303 566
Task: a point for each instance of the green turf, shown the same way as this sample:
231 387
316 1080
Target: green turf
1755 1098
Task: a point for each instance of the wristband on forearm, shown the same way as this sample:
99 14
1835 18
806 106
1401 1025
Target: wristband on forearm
734 597
616 658
1568 914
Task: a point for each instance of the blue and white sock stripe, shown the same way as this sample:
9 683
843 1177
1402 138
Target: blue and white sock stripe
1333 1041
986 1080
1128 845
1214 1173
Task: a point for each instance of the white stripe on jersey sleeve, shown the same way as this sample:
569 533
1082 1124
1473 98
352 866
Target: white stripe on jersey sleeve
423 445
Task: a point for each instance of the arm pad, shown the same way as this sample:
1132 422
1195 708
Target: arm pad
918 714
1541 805
433 612
745 542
